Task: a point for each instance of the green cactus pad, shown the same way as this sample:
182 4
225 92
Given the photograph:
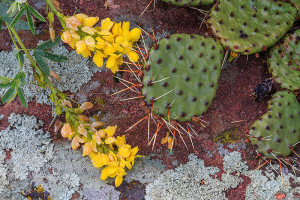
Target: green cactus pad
190 2
284 62
191 66
279 129
250 26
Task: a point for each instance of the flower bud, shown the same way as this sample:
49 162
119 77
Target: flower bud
86 106
80 46
66 37
83 118
66 130
72 22
97 124
90 21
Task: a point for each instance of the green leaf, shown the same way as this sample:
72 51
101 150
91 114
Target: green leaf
53 57
22 98
20 25
12 9
17 17
4 79
17 77
9 94
23 79
36 13
4 85
41 62
20 58
30 21
48 44
1 23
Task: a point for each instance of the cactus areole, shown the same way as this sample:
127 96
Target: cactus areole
251 26
181 76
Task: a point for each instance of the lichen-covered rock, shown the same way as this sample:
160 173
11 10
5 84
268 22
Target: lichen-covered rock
190 2
182 76
276 132
247 26
284 62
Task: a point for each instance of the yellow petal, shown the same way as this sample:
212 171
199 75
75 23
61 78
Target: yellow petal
120 140
66 37
109 38
104 173
82 130
90 21
124 151
66 130
81 16
89 41
106 24
118 180
128 165
114 68
88 30
109 50
133 56
135 34
117 29
126 35
110 140
96 124
111 62
80 46
72 22
86 149
110 130
119 40
118 47
83 118
126 26
86 53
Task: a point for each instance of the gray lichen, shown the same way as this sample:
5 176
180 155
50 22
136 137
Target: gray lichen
191 181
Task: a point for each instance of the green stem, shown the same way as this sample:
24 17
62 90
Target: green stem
57 13
34 64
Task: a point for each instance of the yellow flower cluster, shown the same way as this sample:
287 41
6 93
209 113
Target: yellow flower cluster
105 150
111 40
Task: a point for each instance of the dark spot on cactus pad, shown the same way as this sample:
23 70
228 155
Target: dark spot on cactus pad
199 84
174 70
168 37
159 60
204 69
180 92
243 35
213 47
203 43
211 84
281 126
291 116
201 55
150 83
253 128
231 14
194 99
168 46
192 66
187 78
277 13
180 57
294 131
155 46
190 48
206 103
267 128
265 9
269 116
215 67
165 84
254 16
242 7
178 39
147 67
270 151
183 114
221 22
212 57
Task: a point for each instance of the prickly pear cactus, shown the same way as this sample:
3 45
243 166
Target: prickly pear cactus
250 26
284 62
279 129
182 76
190 2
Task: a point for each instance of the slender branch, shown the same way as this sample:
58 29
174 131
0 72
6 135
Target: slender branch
57 13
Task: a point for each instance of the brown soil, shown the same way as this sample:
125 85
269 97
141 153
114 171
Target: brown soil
232 102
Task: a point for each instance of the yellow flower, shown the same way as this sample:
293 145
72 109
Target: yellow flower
66 37
90 42
124 150
127 46
108 38
66 130
135 34
120 140
133 56
119 179
100 43
86 53
132 156
117 29
72 22
119 40
113 62
99 159
108 170
110 130
81 16
109 50
106 24
124 163
88 148
74 34
88 30
82 130
110 140
90 21
98 59
76 142
118 47
125 26
80 46
97 136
